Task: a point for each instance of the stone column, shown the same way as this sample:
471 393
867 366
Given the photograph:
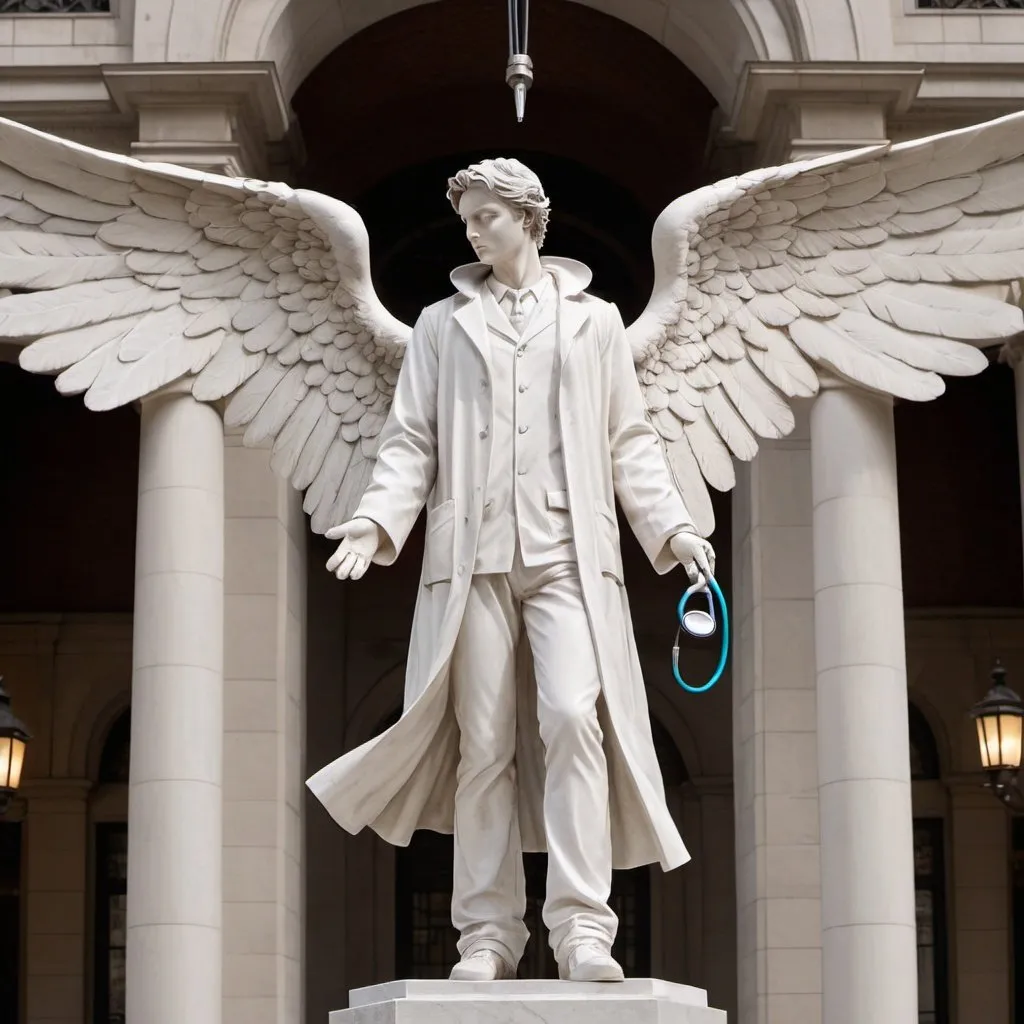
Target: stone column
774 736
264 741
174 800
55 857
805 113
869 953
982 926
232 119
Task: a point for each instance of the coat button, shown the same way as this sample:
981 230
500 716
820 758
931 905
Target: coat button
521 471
488 505
523 428
461 570
483 433
519 353
522 388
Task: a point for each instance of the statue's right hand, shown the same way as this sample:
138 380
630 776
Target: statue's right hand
360 539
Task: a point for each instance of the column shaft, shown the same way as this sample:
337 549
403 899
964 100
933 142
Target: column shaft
775 746
175 830
869 955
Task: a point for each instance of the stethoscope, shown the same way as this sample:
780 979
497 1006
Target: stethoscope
702 624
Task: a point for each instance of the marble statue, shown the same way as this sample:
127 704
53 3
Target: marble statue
517 420
516 412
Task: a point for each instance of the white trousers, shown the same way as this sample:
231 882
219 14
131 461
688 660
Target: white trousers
488 886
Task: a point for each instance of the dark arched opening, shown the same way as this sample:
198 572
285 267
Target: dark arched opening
117 750
929 880
111 884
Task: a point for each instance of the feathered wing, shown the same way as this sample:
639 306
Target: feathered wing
851 265
130 276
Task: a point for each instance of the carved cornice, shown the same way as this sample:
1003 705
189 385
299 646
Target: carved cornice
767 85
136 103
913 99
228 118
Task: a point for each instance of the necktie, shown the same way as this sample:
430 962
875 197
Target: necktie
517 313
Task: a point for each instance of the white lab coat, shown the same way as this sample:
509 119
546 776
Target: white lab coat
436 450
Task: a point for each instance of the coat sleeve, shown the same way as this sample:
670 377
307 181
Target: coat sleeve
407 457
643 484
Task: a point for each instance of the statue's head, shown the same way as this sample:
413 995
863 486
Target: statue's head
503 205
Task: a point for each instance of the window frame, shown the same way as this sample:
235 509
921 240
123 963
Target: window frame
103 890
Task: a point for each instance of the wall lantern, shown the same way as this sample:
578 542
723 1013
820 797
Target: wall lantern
999 717
13 737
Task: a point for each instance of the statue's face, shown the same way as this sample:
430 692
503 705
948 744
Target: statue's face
497 231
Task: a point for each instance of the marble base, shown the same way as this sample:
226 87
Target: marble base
635 1001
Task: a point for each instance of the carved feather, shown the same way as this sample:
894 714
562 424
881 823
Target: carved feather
141 274
856 264
40 313
225 373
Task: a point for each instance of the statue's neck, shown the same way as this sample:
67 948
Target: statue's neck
522 271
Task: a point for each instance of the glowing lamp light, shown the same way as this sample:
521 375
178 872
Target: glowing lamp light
13 739
999 718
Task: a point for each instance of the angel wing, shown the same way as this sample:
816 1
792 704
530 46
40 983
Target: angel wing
130 276
852 265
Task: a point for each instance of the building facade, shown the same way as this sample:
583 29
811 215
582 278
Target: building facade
635 102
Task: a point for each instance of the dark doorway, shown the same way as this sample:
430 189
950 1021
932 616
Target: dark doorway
10 921
1018 920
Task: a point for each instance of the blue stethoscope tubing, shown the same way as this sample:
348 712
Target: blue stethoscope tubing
716 592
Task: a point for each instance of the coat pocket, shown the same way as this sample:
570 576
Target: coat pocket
558 520
606 532
439 545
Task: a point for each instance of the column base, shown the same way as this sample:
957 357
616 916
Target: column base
638 1000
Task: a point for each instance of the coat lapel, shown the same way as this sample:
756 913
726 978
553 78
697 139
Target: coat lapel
571 278
470 317
495 316
572 316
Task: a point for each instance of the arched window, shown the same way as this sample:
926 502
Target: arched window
111 885
116 754
924 751
929 881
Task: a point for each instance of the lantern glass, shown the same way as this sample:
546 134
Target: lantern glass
6 744
999 738
16 759
1010 740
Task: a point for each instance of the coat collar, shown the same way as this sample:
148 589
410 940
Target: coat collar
571 275
571 278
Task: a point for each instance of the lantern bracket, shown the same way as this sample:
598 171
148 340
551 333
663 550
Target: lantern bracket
1005 785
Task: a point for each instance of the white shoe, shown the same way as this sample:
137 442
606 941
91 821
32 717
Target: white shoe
590 962
483 965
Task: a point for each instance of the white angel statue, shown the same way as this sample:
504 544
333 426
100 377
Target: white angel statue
516 411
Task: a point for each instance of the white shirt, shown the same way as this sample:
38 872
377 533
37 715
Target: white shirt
518 304
526 503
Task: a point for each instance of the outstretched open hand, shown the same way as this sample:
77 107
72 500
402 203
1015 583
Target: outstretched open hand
695 555
360 539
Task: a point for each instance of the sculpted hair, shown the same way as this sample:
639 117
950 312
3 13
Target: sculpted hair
513 183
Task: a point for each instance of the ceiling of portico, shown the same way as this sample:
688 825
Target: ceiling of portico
715 39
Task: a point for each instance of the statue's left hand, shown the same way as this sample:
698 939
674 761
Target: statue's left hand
695 555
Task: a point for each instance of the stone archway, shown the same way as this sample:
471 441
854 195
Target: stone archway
715 40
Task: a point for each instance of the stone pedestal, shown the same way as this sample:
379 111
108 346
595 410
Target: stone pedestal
638 1001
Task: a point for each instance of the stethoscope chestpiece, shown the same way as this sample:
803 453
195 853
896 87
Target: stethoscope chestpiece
695 621
701 624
